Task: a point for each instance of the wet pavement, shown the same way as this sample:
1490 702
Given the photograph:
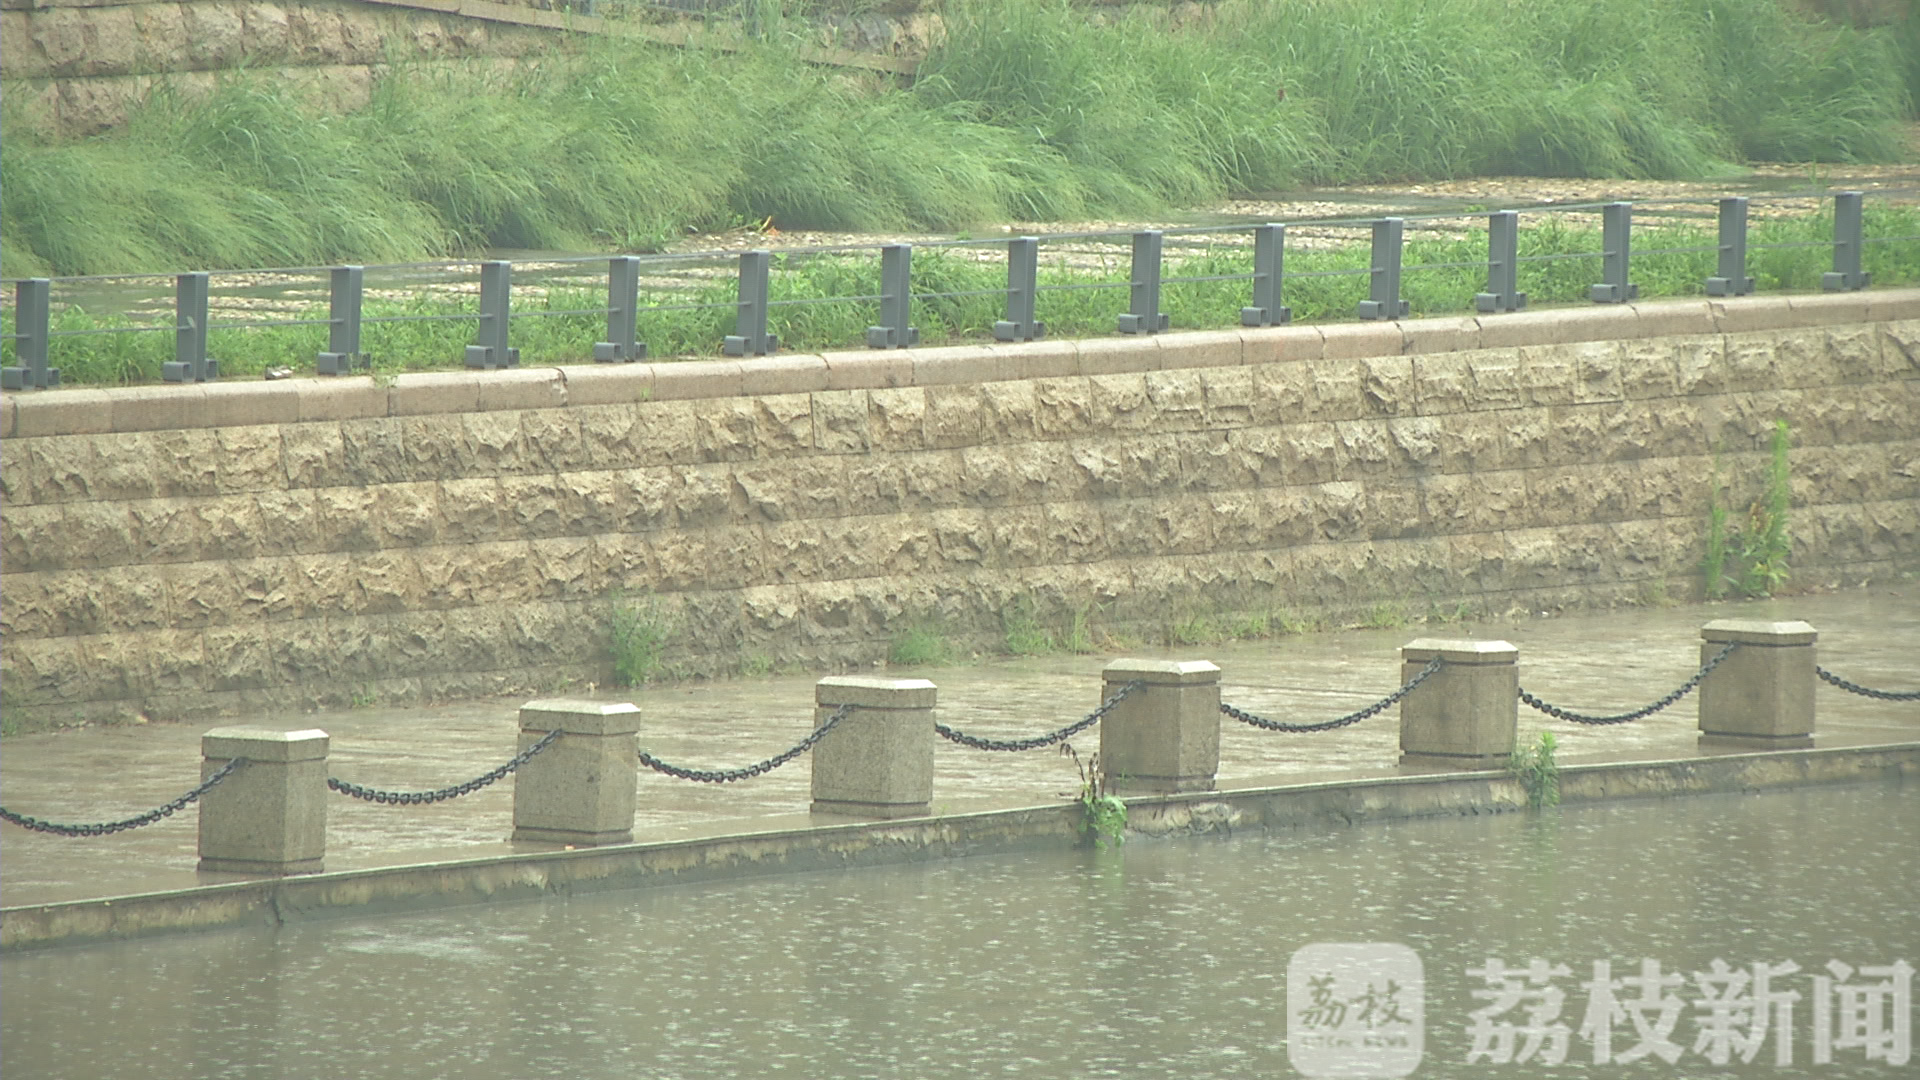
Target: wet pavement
1599 662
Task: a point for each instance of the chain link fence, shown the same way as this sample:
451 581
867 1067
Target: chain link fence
147 818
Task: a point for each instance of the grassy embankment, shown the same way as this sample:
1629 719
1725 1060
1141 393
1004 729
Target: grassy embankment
1028 112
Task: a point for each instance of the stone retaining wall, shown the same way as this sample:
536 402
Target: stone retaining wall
240 547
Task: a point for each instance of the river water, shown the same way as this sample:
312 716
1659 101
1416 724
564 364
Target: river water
1165 958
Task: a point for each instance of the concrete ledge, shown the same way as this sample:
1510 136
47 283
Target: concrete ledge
1559 326
1120 355
521 388
1829 309
1038 359
9 412
1202 349
947 365
1362 340
250 403
1438 335
60 412
1743 313
167 406
340 399
1893 305
1675 318
433 392
608 384
874 369
1274 344
696 379
797 374
796 844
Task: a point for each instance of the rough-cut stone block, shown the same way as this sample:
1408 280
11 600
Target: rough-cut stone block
579 790
60 412
608 384
878 760
1468 710
1164 735
269 816
1763 692
796 374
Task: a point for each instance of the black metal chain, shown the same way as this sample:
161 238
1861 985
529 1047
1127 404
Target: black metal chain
1856 688
147 818
1038 741
1374 709
414 797
1621 718
728 776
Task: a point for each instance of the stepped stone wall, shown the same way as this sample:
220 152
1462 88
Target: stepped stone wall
234 548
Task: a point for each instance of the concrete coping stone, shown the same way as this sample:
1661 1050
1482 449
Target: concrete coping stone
580 717
263 744
1759 632
1162 672
1461 651
868 692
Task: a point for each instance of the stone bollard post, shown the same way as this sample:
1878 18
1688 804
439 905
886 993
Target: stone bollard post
270 815
580 790
1467 712
878 762
1165 736
1762 693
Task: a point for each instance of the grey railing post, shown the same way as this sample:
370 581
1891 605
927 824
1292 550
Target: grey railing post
1503 265
490 349
270 816
32 317
752 338
1269 264
1383 276
896 300
1023 286
623 314
343 355
1762 694
1143 298
1732 279
878 761
1616 243
190 363
1849 234
1469 710
1164 736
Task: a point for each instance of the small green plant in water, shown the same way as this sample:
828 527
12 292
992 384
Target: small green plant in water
1102 815
921 644
641 629
1537 772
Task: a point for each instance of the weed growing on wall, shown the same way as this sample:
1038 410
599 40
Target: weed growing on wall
1751 555
640 628
1534 767
922 644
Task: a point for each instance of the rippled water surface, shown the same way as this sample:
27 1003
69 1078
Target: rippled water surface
1168 958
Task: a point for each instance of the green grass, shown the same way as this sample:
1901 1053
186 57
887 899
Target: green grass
924 644
108 359
1028 111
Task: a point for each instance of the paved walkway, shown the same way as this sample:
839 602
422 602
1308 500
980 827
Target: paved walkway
1604 662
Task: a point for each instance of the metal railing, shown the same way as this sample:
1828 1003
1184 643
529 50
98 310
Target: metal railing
491 348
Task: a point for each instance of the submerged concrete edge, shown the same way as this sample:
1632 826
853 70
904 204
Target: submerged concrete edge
428 886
